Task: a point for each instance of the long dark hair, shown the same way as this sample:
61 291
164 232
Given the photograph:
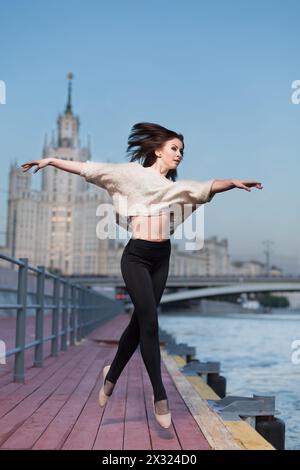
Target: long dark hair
145 138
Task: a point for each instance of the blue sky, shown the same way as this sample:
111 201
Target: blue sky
220 72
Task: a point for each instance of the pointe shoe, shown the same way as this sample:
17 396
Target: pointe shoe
102 396
163 420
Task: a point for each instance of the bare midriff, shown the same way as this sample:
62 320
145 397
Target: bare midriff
151 227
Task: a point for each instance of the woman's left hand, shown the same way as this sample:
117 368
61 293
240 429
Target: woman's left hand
242 184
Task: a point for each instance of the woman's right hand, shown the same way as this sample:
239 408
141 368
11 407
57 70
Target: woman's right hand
40 164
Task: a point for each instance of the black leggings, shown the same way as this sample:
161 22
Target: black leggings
144 267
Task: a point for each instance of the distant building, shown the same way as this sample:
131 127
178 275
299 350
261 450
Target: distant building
248 268
275 271
253 268
211 260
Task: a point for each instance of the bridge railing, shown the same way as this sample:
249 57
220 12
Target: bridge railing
79 308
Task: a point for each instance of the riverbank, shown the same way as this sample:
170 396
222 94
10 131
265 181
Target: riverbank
255 352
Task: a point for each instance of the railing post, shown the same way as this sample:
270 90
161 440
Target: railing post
73 316
94 314
86 312
79 315
82 313
19 369
55 314
89 311
39 319
64 324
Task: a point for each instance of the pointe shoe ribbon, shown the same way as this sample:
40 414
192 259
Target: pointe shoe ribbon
163 420
102 396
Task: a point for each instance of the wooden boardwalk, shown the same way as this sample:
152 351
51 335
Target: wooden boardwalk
57 407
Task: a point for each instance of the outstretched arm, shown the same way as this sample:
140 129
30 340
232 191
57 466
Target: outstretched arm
67 165
219 186
102 174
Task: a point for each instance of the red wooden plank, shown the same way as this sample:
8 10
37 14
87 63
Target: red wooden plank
40 391
163 439
187 430
111 431
30 370
75 392
112 329
84 432
12 394
35 425
136 432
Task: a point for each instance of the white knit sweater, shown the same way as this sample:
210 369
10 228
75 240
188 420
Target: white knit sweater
139 190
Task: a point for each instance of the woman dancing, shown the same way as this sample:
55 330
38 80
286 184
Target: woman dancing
148 183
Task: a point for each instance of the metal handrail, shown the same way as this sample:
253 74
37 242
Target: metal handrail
78 305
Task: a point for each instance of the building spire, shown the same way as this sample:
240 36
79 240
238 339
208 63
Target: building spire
45 143
89 145
69 103
53 138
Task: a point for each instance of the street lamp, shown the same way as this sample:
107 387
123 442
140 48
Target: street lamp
267 243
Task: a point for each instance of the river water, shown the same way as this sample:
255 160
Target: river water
255 351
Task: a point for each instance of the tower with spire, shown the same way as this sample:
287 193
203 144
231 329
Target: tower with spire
68 124
49 226
56 225
64 145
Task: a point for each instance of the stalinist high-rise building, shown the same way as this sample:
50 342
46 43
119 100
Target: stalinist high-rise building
56 226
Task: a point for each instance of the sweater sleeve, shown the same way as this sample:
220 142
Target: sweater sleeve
198 192
99 173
